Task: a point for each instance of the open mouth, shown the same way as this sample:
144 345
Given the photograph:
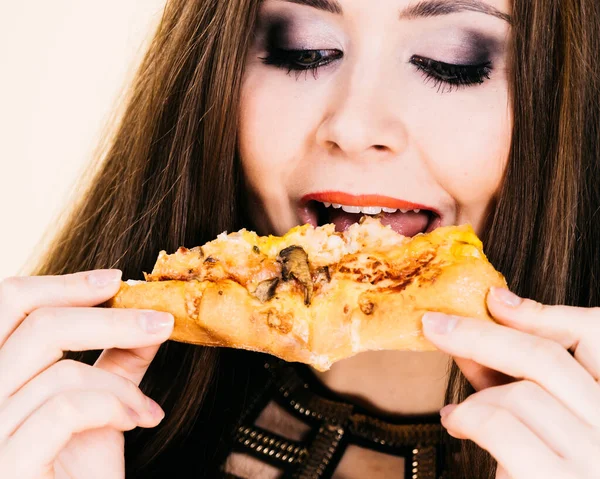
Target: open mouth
406 221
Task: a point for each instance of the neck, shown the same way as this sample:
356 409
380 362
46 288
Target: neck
391 382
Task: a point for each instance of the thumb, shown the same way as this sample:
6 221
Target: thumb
131 364
480 376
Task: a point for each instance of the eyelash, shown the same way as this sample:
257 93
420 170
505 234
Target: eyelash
290 60
451 76
443 75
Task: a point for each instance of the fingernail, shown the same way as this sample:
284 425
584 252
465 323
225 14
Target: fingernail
447 409
507 297
155 322
104 277
155 410
134 415
439 323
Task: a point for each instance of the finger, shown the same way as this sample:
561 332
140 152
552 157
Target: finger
56 422
47 332
71 375
520 355
516 448
577 329
545 416
19 296
128 363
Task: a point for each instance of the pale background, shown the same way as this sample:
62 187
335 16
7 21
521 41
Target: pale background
63 66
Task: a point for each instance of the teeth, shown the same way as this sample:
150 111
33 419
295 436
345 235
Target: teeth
371 210
367 210
351 209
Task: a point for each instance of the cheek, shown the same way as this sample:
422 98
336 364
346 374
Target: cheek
276 120
256 114
467 143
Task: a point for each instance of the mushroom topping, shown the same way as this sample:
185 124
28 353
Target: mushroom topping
266 289
294 261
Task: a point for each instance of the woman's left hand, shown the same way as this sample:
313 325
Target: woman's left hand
537 409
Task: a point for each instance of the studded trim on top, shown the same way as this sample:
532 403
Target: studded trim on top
271 445
335 425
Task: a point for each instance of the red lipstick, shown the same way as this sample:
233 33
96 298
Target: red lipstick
364 200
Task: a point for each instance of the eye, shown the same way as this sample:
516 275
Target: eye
450 75
300 60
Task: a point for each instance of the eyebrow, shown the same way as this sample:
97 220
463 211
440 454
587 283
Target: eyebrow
331 6
433 8
424 8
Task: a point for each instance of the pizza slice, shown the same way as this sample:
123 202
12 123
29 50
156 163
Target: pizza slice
315 295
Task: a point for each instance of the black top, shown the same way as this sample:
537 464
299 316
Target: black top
246 385
334 424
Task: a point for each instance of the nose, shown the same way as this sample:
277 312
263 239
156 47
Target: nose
360 118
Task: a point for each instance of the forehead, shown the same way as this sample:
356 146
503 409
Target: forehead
412 8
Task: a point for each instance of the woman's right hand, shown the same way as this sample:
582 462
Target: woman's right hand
60 418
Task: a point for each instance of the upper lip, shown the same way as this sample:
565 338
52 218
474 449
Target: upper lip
349 199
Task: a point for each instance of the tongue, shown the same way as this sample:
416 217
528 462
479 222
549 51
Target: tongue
407 224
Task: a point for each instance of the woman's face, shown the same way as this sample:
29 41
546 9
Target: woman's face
379 106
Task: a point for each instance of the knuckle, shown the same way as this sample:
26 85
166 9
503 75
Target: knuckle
10 287
131 388
64 409
70 408
64 284
534 307
493 421
123 320
70 284
547 353
557 354
38 319
69 372
113 318
520 391
112 405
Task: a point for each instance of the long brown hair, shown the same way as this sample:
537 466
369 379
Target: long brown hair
171 176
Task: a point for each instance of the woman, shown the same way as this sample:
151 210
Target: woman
482 111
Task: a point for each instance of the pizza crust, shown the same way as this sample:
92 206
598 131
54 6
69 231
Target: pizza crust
371 299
